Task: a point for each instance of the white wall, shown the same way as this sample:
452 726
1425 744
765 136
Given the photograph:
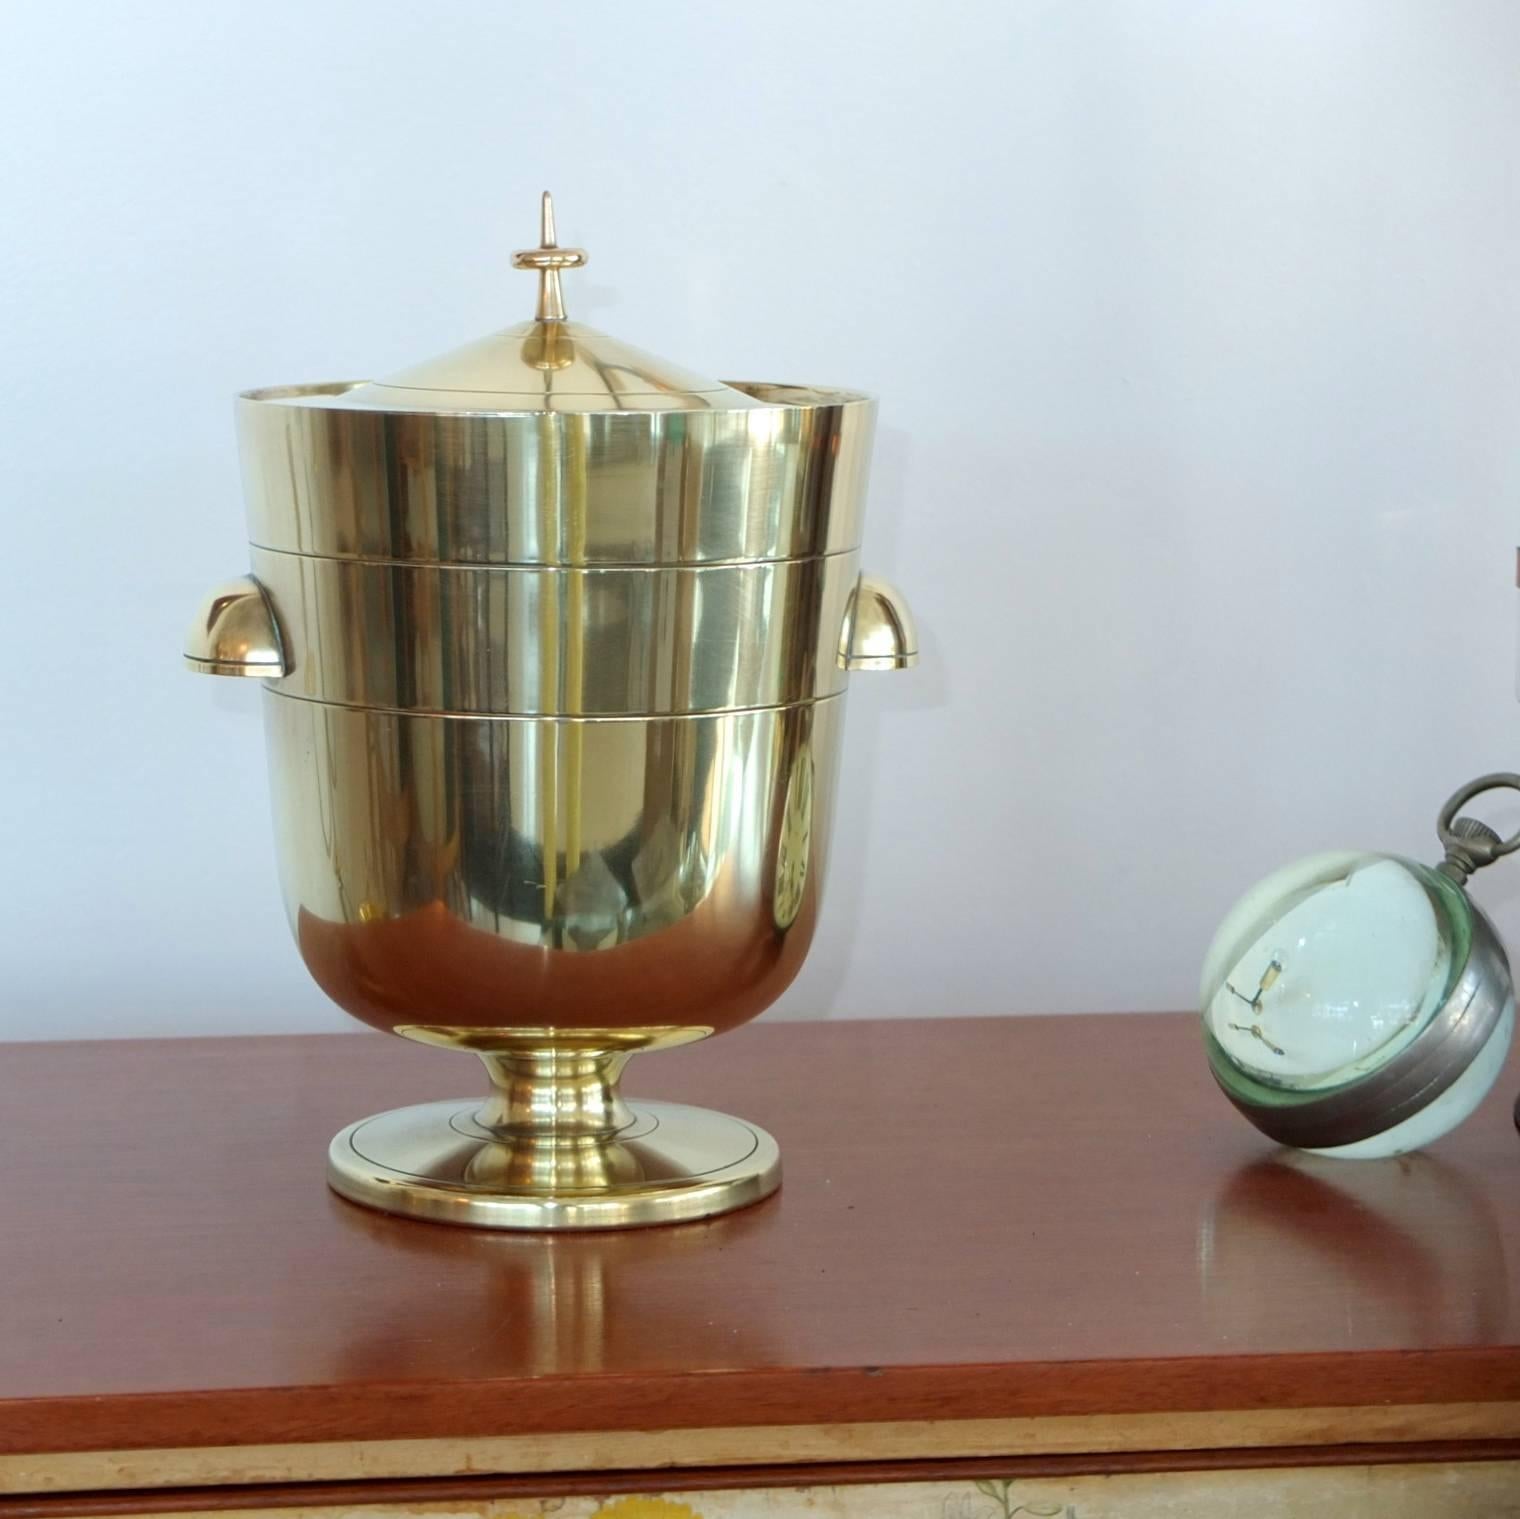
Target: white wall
1195 331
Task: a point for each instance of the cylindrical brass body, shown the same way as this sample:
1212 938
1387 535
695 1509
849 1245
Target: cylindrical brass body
556 743
523 875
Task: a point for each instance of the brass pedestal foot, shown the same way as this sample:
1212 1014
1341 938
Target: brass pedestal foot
554 1147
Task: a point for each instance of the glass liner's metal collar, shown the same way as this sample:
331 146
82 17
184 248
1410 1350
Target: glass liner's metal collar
1411 1079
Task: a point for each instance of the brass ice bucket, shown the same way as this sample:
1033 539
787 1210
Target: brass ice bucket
555 639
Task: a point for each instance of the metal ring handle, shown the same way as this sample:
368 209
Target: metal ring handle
1469 845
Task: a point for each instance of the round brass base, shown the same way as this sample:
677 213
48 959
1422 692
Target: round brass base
671 1164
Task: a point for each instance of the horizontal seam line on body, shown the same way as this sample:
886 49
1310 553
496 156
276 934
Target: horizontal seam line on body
591 567
557 717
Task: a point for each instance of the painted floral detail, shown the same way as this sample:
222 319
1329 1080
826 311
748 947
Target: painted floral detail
1000 1491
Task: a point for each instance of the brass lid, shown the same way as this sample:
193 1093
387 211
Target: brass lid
546 364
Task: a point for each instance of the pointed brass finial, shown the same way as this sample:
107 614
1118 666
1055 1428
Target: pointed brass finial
549 258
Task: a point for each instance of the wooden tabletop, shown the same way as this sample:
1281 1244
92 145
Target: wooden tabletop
980 1219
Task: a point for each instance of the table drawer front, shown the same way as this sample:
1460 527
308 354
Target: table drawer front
1431 1490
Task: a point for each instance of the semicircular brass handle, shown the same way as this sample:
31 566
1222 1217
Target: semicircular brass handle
235 633
879 632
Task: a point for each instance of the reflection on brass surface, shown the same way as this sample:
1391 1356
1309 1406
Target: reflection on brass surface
561 642
784 480
562 369
503 873
665 1164
235 633
796 844
878 631
565 890
548 259
632 1041
1410 1232
559 634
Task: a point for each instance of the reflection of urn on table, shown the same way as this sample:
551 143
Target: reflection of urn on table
569 1305
556 638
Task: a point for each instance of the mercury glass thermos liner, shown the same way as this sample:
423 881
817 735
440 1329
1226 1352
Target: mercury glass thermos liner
555 637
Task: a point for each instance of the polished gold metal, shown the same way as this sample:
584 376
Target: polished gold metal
498 873
555 1145
785 479
879 632
715 637
235 633
488 1041
562 635
437 1161
549 258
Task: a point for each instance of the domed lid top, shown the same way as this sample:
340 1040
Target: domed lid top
547 364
